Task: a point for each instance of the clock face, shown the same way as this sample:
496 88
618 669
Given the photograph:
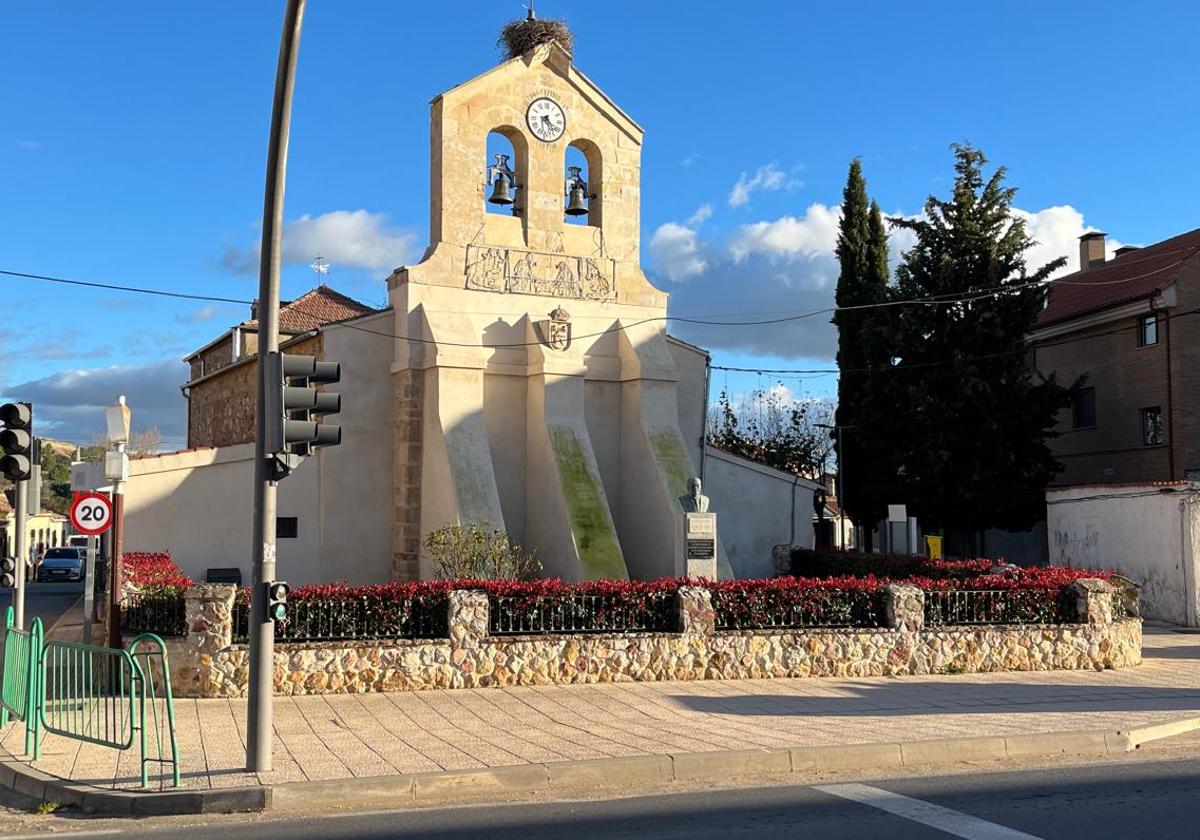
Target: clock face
546 119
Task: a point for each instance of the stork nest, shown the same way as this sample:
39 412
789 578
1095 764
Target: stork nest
520 36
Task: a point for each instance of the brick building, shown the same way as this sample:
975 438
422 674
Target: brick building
1129 325
221 374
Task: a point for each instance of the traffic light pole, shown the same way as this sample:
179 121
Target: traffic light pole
259 724
22 548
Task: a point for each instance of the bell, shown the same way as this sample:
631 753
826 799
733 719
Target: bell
501 190
577 201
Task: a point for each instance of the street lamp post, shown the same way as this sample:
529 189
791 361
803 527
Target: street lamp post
116 470
259 722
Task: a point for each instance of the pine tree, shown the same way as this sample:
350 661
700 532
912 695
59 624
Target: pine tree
970 420
862 346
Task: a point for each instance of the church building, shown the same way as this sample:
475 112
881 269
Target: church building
520 376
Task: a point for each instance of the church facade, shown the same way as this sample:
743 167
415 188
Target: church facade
521 376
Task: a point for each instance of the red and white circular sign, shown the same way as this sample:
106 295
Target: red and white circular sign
91 513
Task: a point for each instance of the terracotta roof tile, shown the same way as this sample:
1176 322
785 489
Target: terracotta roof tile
1133 275
322 305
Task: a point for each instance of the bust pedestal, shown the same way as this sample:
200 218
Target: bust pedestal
698 548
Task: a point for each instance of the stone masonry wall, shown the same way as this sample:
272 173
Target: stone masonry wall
472 659
221 408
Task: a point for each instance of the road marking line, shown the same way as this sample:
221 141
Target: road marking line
925 813
104 832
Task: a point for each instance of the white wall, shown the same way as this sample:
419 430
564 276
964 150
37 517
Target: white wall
198 504
1146 532
757 509
692 363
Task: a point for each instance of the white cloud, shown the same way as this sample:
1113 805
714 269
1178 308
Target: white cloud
199 316
1056 231
70 404
675 251
703 214
350 238
769 178
689 160
788 266
815 233
29 145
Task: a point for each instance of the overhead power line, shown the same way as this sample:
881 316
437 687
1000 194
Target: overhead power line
929 300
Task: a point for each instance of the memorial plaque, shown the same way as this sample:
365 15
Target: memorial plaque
701 549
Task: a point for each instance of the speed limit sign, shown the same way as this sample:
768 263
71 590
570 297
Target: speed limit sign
91 513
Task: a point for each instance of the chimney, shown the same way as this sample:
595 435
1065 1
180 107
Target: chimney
1125 249
1091 250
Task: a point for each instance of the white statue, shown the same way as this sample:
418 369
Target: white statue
695 501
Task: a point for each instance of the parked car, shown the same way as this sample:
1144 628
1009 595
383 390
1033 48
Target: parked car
63 563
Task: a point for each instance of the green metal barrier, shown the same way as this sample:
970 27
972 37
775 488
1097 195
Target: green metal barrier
98 695
19 679
156 677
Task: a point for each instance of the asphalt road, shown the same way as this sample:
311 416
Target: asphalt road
47 601
1158 800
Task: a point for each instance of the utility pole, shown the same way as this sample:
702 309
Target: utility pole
839 495
259 723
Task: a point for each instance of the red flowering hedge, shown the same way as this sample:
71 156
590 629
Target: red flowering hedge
418 609
158 605
153 570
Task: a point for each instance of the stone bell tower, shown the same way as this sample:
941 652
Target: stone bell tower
533 387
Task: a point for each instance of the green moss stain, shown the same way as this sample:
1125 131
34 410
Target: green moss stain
470 484
673 461
599 552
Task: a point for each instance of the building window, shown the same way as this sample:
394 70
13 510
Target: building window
1152 432
1083 412
1147 330
287 527
1191 475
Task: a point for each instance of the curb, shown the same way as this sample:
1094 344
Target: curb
459 786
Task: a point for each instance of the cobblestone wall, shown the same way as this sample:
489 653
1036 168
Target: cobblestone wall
472 659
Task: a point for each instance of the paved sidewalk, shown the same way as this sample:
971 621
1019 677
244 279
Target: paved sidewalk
358 735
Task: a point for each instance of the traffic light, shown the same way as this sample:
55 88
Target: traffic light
294 403
16 440
8 572
277 593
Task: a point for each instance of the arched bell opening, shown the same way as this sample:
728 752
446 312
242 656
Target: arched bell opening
582 184
505 172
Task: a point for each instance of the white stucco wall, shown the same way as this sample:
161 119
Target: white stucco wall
198 504
692 363
757 509
1150 533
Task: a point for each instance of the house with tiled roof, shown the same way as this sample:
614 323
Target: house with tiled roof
1129 324
221 375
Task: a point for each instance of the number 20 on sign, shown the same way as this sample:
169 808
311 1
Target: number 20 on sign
91 513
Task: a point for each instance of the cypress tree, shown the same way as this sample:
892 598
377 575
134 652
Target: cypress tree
862 345
970 420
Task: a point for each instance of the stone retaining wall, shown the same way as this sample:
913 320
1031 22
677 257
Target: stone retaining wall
208 665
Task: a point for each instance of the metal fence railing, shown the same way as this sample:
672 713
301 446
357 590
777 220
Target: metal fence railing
18 679
105 696
783 611
162 613
538 615
947 607
351 619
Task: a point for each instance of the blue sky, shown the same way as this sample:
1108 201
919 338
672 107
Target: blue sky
133 142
